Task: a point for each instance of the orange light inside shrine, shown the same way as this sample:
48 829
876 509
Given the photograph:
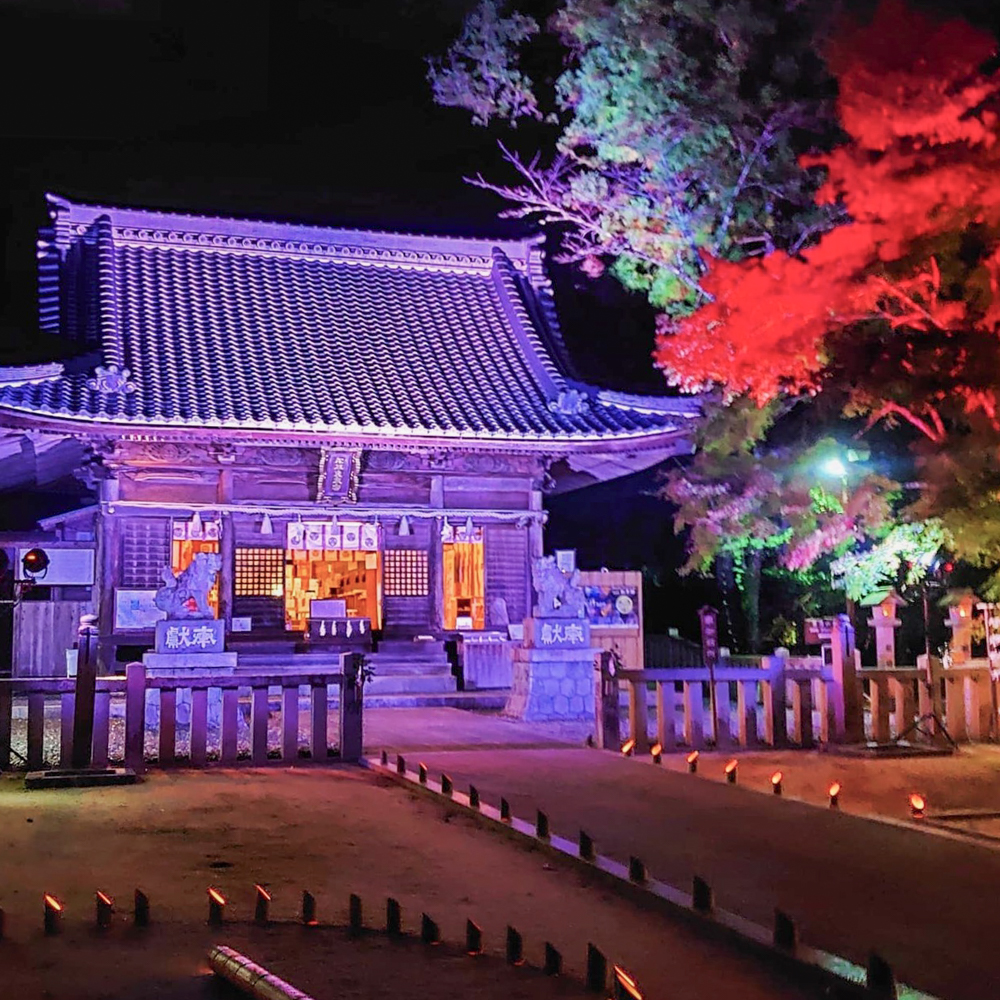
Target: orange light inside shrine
627 747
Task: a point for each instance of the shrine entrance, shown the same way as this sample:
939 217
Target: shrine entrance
351 576
464 585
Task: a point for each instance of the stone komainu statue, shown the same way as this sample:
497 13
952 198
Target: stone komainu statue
191 584
559 596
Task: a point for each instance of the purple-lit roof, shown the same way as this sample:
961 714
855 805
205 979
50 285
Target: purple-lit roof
220 323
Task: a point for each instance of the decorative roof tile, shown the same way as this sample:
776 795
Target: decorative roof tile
222 323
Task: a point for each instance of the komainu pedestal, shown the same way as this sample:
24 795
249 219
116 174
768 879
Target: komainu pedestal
553 672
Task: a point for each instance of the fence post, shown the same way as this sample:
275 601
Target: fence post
848 710
86 684
351 707
638 721
135 716
606 703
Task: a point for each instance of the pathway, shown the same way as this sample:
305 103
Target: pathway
924 902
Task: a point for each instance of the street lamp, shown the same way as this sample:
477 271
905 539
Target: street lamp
833 466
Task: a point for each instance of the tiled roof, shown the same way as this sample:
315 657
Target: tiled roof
223 323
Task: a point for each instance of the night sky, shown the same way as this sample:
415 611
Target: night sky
310 110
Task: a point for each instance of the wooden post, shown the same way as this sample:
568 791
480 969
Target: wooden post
904 711
135 716
637 716
6 713
86 683
258 725
980 700
351 708
36 730
109 560
230 713
199 726
65 729
879 699
954 687
227 556
318 734
850 723
802 711
102 719
746 707
723 734
694 710
666 714
289 723
168 725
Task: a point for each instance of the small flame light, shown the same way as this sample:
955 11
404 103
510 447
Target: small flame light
835 795
692 762
626 988
731 771
627 747
917 806
105 909
53 914
776 782
216 906
656 752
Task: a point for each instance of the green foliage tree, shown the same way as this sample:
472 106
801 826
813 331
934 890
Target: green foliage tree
676 127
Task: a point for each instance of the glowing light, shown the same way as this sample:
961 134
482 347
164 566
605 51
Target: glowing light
627 747
886 611
627 985
776 778
917 804
692 757
833 466
263 892
52 903
834 789
216 896
105 899
731 766
656 749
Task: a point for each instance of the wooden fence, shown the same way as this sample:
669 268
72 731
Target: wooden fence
779 683
162 695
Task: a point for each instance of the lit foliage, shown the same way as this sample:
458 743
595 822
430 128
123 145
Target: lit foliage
901 558
678 131
909 290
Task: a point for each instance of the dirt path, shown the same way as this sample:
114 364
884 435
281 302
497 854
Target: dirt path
333 832
854 885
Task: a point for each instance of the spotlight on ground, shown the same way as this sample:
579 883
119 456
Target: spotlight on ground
656 752
917 805
731 771
627 747
835 795
692 762
776 782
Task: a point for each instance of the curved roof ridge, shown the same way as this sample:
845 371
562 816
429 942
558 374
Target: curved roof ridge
551 378
62 211
674 405
13 375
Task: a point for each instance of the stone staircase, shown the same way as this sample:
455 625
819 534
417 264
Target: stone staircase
407 674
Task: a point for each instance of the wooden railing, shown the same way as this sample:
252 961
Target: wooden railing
151 715
778 684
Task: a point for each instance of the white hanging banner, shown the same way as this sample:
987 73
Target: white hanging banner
369 537
331 537
296 535
351 535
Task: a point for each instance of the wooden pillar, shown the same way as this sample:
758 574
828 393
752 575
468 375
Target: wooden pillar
109 551
694 711
955 706
878 695
637 715
746 702
536 531
802 711
723 733
666 714
227 572
904 706
435 558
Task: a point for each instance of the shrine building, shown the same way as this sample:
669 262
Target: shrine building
360 424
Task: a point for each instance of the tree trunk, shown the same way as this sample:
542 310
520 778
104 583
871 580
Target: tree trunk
750 596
